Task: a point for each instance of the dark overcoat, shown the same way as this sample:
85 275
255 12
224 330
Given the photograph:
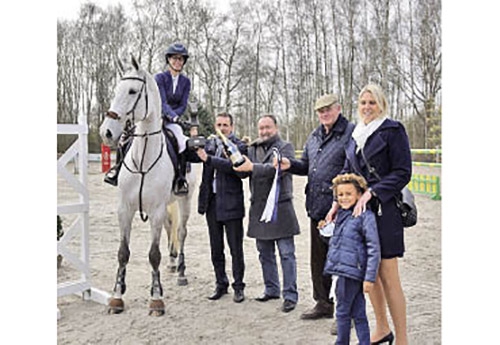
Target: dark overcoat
388 152
261 180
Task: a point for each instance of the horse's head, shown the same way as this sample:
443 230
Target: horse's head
131 103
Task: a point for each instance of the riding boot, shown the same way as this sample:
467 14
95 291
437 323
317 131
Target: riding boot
181 185
111 176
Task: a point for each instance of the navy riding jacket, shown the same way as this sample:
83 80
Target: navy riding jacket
173 104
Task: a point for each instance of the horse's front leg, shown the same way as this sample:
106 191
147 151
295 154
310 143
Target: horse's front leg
116 305
156 306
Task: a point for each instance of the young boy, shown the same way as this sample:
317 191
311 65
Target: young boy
353 256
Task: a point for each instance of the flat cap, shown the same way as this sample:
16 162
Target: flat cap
325 101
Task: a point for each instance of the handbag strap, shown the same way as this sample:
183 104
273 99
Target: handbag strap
371 169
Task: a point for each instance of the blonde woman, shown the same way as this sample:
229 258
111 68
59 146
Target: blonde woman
383 144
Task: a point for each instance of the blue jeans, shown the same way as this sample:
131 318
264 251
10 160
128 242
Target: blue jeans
267 257
351 304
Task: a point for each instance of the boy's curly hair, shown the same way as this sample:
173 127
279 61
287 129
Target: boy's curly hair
358 181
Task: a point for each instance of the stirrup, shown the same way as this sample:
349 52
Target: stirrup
111 176
181 187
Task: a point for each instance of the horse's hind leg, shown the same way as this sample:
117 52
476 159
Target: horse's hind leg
156 307
171 225
185 208
116 304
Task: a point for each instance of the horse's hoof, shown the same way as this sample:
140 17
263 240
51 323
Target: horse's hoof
182 281
172 268
156 307
116 306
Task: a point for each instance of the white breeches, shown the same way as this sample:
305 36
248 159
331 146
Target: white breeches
181 138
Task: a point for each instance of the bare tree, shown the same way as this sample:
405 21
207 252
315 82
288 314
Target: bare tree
268 56
150 27
206 60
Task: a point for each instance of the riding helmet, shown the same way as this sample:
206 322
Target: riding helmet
176 49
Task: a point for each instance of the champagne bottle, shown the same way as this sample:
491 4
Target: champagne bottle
231 150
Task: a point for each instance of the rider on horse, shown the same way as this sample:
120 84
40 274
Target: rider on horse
174 90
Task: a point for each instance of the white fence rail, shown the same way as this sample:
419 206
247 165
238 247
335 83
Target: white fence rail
77 153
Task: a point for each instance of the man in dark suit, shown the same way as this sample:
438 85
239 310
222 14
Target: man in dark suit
221 199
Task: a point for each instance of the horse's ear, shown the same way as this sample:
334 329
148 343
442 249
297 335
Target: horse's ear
121 69
134 63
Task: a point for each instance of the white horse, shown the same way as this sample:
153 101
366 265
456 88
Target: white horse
145 181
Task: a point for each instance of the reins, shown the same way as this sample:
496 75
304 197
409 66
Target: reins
139 169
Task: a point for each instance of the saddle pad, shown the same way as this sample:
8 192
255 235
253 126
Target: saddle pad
171 146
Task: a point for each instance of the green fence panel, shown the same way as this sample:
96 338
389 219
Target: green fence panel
426 184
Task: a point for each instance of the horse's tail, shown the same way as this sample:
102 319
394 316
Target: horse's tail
173 215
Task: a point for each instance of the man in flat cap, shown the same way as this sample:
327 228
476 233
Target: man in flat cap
322 159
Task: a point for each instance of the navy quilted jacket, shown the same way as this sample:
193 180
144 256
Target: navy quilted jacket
354 248
323 158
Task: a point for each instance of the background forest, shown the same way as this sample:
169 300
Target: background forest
263 56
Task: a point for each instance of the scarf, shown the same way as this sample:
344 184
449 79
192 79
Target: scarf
270 213
363 131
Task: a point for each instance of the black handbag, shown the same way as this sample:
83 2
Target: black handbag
405 202
408 208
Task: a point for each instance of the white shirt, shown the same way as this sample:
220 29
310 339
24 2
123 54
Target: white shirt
174 82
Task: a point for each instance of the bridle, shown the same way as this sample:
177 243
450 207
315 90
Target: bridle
132 110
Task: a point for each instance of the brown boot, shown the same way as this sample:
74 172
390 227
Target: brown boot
321 310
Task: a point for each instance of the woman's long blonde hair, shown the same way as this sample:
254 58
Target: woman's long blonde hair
378 95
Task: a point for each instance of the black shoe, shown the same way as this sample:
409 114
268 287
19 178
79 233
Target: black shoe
111 176
320 311
266 297
218 293
288 306
181 186
389 338
239 296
